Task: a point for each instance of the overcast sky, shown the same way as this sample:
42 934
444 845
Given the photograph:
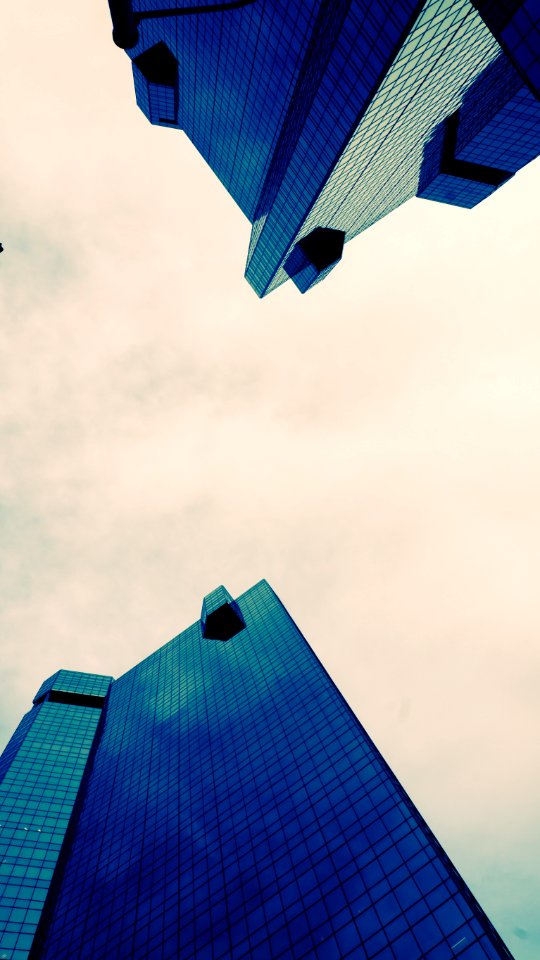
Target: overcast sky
371 448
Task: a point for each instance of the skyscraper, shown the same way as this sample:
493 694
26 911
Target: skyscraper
231 806
322 116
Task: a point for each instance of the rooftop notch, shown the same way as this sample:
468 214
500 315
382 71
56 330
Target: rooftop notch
221 617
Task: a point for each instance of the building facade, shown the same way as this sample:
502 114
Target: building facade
322 116
220 800
41 771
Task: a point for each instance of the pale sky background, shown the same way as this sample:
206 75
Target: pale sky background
371 448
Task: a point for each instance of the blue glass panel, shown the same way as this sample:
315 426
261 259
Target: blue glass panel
237 808
42 771
314 114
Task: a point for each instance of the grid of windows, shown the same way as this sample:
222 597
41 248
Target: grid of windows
368 42
91 684
159 102
42 771
499 120
16 740
458 191
213 601
237 809
238 70
516 24
155 75
379 168
495 133
314 113
510 139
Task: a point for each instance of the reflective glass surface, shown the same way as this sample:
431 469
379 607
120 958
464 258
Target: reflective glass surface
316 113
379 168
237 74
499 120
495 132
40 774
516 24
237 809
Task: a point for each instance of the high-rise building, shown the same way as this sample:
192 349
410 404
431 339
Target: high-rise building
219 801
322 116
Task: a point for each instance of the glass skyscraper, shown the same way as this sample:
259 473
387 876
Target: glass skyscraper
220 800
322 116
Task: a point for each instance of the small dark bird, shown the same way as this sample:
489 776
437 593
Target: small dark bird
1 248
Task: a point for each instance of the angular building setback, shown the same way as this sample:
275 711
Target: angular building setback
222 802
322 116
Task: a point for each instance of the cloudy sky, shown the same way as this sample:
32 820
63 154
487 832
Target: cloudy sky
372 448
